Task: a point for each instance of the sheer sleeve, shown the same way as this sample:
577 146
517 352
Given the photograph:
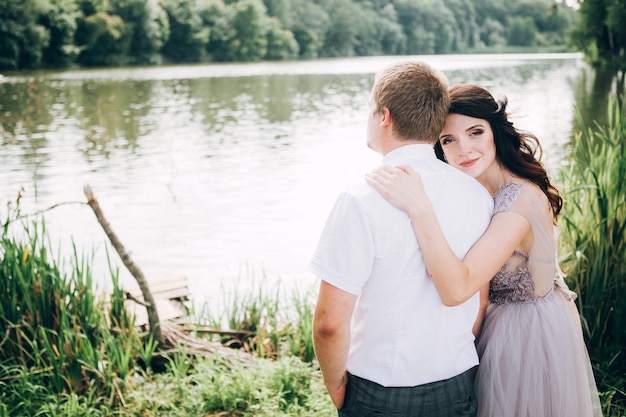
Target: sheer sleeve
530 202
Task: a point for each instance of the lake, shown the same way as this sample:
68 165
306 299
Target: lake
225 173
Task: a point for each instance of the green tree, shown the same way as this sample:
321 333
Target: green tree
560 19
100 37
368 35
239 30
601 34
309 23
393 39
492 33
466 33
188 36
146 29
538 10
498 10
251 25
279 9
442 23
341 37
429 26
281 43
60 20
217 16
22 38
90 7
521 31
378 32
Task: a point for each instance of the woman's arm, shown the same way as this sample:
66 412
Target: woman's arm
456 280
484 303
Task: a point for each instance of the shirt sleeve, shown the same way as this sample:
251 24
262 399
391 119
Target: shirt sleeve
345 252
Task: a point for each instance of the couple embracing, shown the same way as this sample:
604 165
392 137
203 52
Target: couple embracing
445 255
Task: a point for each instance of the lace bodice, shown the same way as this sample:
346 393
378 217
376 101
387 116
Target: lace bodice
515 281
513 286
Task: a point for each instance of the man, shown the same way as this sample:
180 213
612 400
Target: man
386 344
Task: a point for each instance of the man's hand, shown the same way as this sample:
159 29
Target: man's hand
338 394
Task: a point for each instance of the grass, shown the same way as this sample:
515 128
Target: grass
66 353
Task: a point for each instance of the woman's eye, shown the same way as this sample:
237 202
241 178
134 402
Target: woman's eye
477 133
446 141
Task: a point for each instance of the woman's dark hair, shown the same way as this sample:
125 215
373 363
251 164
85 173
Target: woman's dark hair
515 149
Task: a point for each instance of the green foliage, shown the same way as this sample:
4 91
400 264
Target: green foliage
309 23
299 331
467 33
240 31
594 242
521 31
269 389
60 20
60 33
250 25
188 37
56 337
89 7
601 34
266 323
145 32
62 320
22 38
100 39
213 386
281 43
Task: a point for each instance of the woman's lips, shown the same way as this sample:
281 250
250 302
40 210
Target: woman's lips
467 164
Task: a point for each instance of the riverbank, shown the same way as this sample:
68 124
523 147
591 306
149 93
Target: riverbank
64 352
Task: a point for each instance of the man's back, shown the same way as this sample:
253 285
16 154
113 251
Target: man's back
403 334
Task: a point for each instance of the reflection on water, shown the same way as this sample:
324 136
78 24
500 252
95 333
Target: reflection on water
213 170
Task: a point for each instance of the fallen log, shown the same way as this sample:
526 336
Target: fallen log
153 314
171 337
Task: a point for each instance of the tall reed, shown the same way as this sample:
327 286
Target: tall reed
55 332
270 323
593 238
594 228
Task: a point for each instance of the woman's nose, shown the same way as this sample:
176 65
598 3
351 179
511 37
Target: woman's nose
464 146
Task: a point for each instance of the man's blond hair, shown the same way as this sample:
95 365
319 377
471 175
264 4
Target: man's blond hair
417 98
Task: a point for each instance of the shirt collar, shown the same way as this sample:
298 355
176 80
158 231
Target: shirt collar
406 152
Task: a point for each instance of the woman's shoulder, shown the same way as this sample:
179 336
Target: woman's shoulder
520 197
506 195
520 192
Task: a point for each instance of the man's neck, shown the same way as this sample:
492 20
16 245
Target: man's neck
395 144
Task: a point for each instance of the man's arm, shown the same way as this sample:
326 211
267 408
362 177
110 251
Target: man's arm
331 337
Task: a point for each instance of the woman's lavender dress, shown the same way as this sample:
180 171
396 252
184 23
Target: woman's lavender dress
533 359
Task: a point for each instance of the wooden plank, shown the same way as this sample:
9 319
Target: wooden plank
165 288
167 309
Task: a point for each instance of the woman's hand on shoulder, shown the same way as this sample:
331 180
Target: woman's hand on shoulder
401 186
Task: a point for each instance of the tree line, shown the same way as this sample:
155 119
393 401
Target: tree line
61 33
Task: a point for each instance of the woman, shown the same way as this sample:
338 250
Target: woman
533 360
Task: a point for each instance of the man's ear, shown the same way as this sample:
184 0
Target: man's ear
386 119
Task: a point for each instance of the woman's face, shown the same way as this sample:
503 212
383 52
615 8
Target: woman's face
468 144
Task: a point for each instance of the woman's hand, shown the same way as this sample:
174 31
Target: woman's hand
401 186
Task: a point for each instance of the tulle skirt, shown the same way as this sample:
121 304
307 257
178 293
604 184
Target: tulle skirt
534 362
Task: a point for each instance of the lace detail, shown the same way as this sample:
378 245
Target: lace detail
513 286
505 196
